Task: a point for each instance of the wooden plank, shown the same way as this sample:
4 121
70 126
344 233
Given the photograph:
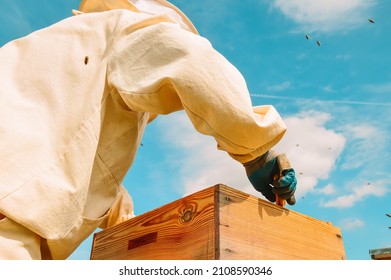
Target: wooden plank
183 229
252 228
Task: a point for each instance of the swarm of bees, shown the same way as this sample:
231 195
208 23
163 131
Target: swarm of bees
307 36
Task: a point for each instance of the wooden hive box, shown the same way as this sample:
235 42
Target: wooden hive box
223 223
380 254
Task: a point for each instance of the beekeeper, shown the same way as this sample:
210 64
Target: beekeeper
75 98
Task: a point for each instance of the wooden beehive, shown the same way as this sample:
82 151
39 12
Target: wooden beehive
380 254
223 223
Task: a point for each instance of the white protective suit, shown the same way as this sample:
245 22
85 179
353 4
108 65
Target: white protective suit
75 98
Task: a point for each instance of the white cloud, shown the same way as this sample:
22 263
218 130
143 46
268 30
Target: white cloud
328 88
325 16
301 56
358 194
363 131
362 169
378 88
280 87
351 223
323 102
364 141
344 57
329 189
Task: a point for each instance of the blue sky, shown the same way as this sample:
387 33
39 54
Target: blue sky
334 98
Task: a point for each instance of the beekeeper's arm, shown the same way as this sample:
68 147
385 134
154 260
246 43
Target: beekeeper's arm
162 68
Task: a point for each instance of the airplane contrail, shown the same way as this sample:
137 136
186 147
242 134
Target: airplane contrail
351 102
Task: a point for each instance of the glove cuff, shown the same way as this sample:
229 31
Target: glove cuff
260 161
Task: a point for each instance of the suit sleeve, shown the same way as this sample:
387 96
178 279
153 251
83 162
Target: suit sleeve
121 211
162 68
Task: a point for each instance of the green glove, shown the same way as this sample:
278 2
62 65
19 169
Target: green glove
262 172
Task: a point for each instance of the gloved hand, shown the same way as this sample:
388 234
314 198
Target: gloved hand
262 172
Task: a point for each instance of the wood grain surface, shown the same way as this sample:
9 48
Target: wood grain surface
183 229
252 228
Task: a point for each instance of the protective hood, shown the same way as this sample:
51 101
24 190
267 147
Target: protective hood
152 7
